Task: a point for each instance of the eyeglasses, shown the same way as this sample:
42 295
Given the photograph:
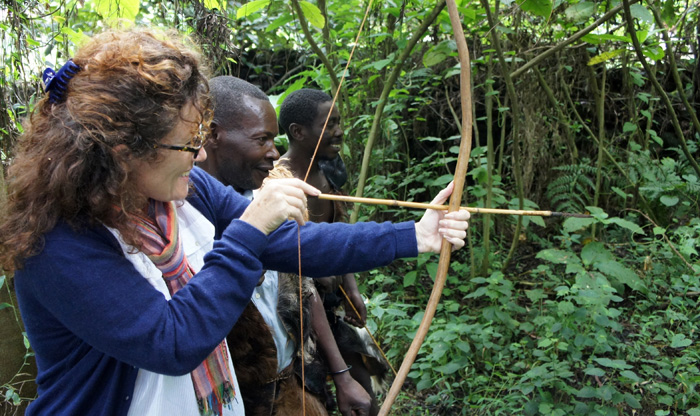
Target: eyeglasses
194 147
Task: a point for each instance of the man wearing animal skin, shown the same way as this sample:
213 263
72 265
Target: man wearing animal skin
303 116
241 153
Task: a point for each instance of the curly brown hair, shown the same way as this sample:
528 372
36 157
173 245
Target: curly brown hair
72 161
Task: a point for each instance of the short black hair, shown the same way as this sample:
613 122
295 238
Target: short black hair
226 92
301 107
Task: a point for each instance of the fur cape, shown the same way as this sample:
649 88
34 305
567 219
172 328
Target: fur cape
254 354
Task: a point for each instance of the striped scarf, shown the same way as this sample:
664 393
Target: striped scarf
161 243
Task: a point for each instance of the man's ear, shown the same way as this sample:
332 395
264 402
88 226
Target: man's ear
297 131
213 140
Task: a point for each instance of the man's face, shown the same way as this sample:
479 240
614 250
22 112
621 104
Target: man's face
245 153
332 141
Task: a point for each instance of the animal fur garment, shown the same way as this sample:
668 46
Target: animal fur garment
254 354
289 400
348 337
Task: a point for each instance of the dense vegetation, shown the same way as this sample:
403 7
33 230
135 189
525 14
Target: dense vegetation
579 106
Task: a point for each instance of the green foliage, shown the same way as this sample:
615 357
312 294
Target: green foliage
12 384
579 323
584 332
573 190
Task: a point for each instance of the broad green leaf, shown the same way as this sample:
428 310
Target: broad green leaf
642 36
2 280
433 57
442 180
621 273
312 14
680 341
632 401
77 38
535 295
542 8
597 212
215 4
595 252
409 278
587 392
566 308
117 11
607 362
4 305
545 342
574 267
556 256
425 383
449 368
642 13
250 8
432 269
630 375
571 225
538 220
605 56
629 127
626 224
580 11
594 371
619 192
669 201
654 52
378 65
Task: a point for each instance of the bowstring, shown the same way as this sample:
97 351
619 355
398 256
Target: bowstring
306 176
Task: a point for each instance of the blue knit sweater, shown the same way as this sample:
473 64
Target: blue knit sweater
93 320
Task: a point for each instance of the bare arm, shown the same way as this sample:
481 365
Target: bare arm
352 398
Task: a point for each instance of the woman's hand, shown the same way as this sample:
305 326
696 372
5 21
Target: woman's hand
438 225
277 201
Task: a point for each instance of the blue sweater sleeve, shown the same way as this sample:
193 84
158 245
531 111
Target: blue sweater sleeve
81 289
326 249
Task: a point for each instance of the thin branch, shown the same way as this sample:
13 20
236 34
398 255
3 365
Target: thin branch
659 89
576 36
381 102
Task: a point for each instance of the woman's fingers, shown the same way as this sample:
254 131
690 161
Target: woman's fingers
442 196
277 201
438 225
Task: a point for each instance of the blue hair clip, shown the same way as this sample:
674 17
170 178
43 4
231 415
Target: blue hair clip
55 83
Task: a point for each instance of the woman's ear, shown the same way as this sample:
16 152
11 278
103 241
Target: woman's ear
122 151
296 130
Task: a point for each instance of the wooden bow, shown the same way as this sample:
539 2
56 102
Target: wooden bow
455 202
454 205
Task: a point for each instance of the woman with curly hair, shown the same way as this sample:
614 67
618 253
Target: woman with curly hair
131 265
